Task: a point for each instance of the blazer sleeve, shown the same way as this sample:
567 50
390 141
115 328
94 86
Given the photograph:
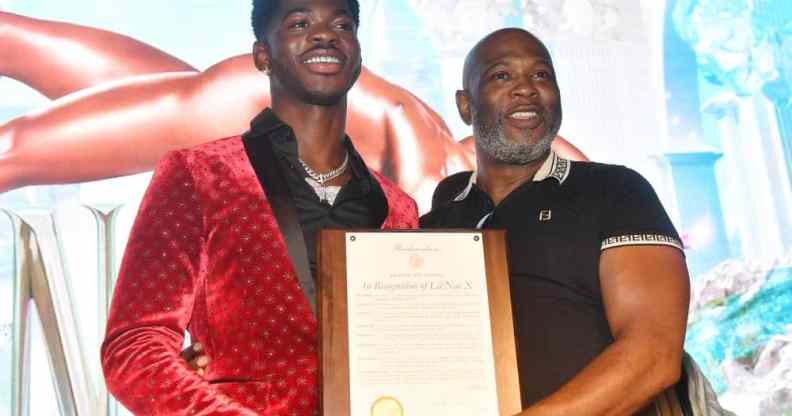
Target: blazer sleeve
153 302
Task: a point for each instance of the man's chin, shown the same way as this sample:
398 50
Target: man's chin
329 96
326 100
329 91
524 137
518 153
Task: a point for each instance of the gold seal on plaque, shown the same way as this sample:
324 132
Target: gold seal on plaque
416 261
387 406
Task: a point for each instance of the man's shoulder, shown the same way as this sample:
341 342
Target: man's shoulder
219 147
629 210
442 202
449 188
219 158
217 150
601 176
597 170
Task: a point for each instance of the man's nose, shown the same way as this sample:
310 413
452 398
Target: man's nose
524 87
324 34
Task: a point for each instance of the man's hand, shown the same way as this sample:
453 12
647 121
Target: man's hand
195 358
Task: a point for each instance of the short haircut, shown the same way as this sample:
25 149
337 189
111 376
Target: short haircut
263 10
470 59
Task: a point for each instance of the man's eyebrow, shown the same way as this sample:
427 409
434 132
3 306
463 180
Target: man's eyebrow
296 10
496 63
338 12
343 11
505 61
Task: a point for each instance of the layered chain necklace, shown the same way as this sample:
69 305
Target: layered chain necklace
317 180
321 178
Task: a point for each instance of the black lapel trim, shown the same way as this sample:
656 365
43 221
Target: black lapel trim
377 201
268 170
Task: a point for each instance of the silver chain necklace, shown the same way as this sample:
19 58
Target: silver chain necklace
321 178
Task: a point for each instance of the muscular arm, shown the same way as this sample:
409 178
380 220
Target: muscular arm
418 147
646 293
58 58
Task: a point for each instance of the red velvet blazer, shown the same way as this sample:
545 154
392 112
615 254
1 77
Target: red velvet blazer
205 254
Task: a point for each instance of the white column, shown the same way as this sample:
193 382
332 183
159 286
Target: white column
750 195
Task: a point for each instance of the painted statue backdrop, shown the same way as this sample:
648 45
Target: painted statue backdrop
694 94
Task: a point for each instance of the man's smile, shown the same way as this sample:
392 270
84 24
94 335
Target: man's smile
525 117
324 61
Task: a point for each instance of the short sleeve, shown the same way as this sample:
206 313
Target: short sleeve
632 213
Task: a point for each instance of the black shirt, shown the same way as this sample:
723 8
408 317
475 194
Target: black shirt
557 225
360 203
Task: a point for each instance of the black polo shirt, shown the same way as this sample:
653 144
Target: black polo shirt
360 203
557 226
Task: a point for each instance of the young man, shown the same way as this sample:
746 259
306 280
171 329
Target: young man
224 228
599 285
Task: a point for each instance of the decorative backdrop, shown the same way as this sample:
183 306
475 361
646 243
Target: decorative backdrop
694 94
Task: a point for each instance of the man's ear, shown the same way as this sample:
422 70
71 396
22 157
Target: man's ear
463 105
261 56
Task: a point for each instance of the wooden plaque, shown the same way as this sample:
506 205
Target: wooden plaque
334 320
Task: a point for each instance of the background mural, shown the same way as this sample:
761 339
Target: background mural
694 94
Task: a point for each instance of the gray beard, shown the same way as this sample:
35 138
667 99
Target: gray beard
492 141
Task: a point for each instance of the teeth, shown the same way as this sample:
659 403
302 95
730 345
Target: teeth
524 114
323 60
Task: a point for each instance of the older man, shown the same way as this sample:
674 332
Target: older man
599 283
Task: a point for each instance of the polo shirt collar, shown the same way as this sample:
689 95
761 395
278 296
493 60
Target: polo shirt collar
554 166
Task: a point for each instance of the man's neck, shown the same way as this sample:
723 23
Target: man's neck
319 131
499 179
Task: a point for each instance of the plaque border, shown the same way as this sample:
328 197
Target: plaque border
334 396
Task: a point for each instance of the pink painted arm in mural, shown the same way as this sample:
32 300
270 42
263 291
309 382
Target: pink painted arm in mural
57 58
124 127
